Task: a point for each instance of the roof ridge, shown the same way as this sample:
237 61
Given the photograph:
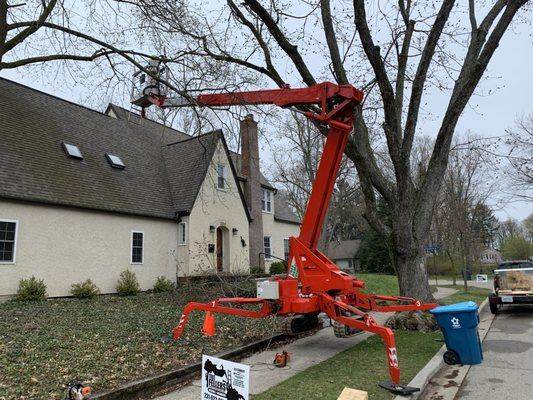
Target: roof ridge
219 131
53 96
110 104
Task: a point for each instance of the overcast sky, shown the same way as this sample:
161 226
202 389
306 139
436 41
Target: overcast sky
511 86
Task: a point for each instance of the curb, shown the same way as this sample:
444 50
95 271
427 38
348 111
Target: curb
146 386
434 365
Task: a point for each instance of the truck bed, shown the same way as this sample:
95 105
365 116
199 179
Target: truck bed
515 281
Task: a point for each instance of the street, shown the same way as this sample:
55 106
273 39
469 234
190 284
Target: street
508 359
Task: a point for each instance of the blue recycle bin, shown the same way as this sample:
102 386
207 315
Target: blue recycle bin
458 322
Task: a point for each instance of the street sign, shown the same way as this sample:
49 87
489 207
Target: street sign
224 380
432 248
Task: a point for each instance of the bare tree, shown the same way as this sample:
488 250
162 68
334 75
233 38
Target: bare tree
418 46
463 223
296 155
520 156
508 228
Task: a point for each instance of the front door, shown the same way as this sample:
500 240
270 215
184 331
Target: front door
220 251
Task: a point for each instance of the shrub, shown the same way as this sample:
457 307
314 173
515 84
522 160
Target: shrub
84 290
278 267
32 289
256 270
164 285
127 284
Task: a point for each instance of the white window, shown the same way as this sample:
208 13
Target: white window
72 151
8 241
115 161
266 200
137 247
286 249
267 249
182 233
221 176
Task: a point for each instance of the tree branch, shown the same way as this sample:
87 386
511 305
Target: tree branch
472 14
273 73
290 49
53 57
403 57
22 35
421 76
358 149
470 75
3 26
331 39
385 87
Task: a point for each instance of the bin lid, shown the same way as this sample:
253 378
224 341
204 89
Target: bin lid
453 308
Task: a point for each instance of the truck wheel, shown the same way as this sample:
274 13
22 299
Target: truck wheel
451 357
493 308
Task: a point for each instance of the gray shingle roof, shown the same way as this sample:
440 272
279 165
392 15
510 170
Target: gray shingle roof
164 167
34 167
282 211
343 250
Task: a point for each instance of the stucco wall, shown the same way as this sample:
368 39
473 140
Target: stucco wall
277 231
214 207
64 245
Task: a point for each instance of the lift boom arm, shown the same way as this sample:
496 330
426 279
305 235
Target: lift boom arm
313 283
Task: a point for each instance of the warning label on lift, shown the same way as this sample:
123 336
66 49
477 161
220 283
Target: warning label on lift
224 380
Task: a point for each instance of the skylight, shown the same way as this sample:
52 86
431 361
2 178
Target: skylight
115 161
72 150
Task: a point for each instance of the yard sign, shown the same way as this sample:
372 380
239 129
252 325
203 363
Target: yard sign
224 380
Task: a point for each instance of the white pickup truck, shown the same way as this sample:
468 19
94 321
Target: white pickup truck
513 284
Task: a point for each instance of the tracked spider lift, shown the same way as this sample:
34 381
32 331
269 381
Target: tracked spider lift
313 283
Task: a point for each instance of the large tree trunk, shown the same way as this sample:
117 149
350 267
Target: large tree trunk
407 250
412 275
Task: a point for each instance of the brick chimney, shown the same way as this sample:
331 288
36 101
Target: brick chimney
252 187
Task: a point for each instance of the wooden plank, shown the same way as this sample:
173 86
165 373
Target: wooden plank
353 394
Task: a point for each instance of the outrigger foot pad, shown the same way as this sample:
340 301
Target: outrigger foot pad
399 389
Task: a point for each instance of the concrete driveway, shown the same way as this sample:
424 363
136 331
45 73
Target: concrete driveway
507 368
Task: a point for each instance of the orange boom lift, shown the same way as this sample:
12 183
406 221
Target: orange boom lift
313 284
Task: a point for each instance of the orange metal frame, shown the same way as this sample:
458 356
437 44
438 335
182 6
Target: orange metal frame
319 285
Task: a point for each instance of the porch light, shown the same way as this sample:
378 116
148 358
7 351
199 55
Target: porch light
211 228
234 230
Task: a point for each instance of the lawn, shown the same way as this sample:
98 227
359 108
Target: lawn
474 294
111 340
365 364
380 284
105 341
360 367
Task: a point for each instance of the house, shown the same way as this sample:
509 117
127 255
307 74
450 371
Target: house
85 194
490 256
344 254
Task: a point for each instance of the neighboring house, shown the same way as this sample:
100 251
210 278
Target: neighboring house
344 254
490 256
85 194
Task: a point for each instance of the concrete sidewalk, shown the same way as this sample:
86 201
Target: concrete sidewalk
483 285
306 352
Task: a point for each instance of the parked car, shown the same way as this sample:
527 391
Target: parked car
513 284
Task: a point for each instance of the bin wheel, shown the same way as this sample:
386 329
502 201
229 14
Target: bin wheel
451 357
493 308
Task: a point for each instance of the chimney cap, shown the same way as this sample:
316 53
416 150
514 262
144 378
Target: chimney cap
249 117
